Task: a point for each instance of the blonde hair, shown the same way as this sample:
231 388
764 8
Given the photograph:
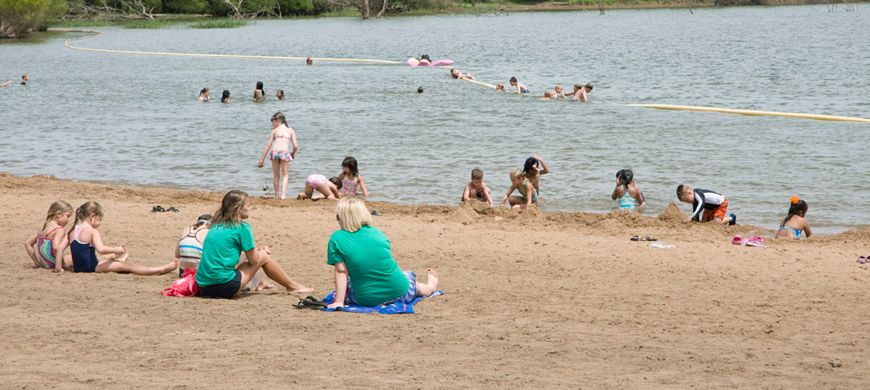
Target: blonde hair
517 174
230 213
58 207
84 212
353 214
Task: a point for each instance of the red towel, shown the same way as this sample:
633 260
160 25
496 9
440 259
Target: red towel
184 287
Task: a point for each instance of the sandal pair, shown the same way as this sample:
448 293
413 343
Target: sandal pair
642 238
160 209
310 302
862 260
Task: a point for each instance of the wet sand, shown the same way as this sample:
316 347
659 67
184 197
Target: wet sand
535 300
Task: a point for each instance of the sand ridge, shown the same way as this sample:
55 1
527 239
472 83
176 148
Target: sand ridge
534 300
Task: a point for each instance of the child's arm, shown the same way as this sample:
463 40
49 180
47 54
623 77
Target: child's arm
266 149
362 185
465 192
340 285
487 195
807 229
58 243
102 249
295 145
638 196
544 169
529 189
505 197
618 191
335 192
519 91
28 246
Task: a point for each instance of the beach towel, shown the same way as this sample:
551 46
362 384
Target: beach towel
184 287
395 308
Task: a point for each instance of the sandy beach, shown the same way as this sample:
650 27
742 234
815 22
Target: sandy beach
534 300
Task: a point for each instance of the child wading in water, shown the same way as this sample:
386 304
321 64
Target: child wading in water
795 221
85 242
521 88
626 192
526 189
714 204
50 240
279 141
351 181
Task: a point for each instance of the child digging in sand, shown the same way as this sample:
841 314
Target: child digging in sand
795 222
476 189
527 191
328 189
85 242
49 242
714 204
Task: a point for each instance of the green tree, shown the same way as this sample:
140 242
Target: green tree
17 17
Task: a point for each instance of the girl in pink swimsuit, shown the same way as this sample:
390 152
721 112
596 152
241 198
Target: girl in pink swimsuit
280 139
48 244
328 189
351 181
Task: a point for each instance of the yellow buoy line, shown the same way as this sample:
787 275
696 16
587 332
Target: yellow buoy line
655 106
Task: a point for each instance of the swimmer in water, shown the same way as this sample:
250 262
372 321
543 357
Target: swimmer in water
203 95
425 57
459 76
580 92
521 88
280 95
309 61
559 92
259 92
420 90
500 88
24 79
549 95
225 97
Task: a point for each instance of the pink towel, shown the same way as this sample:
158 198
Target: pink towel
184 287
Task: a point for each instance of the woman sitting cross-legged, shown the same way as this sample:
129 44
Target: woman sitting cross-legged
228 237
361 253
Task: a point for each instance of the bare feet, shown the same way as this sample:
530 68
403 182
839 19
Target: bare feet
300 289
432 278
264 286
123 257
169 267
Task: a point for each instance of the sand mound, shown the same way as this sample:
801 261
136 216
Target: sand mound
673 214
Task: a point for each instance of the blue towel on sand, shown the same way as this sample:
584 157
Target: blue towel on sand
395 308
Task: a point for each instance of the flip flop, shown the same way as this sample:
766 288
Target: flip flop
862 260
310 302
642 238
158 209
173 209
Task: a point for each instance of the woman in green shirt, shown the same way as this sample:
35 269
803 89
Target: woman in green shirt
229 236
361 253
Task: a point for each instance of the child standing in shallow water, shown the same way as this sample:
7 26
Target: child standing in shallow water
279 141
50 241
794 222
351 181
85 242
626 192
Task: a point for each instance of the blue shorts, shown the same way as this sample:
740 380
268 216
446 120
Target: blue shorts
408 297
525 91
224 290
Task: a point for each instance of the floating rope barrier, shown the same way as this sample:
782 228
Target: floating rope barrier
751 112
655 106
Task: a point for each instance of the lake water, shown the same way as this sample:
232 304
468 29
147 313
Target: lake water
135 120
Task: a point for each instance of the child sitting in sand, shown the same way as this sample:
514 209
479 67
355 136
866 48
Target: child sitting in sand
795 221
476 189
714 204
459 76
85 242
49 242
626 192
527 191
351 181
279 141
328 189
521 88
259 92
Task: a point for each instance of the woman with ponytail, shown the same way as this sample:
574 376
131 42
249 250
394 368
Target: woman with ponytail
278 149
794 222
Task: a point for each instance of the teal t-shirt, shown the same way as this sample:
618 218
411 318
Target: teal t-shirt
366 253
220 253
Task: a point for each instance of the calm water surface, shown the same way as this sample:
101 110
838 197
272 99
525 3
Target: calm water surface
135 119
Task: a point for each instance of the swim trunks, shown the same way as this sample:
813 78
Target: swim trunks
282 155
316 180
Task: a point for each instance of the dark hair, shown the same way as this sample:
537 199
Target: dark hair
625 176
309 61
589 85
279 116
335 181
203 91
425 57
420 90
225 95
680 189
476 174
350 164
455 73
513 79
281 91
530 162
260 85
797 207
202 220
230 214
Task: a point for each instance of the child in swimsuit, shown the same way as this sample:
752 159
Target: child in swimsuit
279 141
49 242
521 88
259 92
351 181
580 92
626 192
459 76
500 88
85 242
477 189
280 95
533 168
795 221
203 95
225 96
527 191
714 205
328 189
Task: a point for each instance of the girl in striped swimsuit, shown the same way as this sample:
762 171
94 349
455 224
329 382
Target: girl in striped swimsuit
48 244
